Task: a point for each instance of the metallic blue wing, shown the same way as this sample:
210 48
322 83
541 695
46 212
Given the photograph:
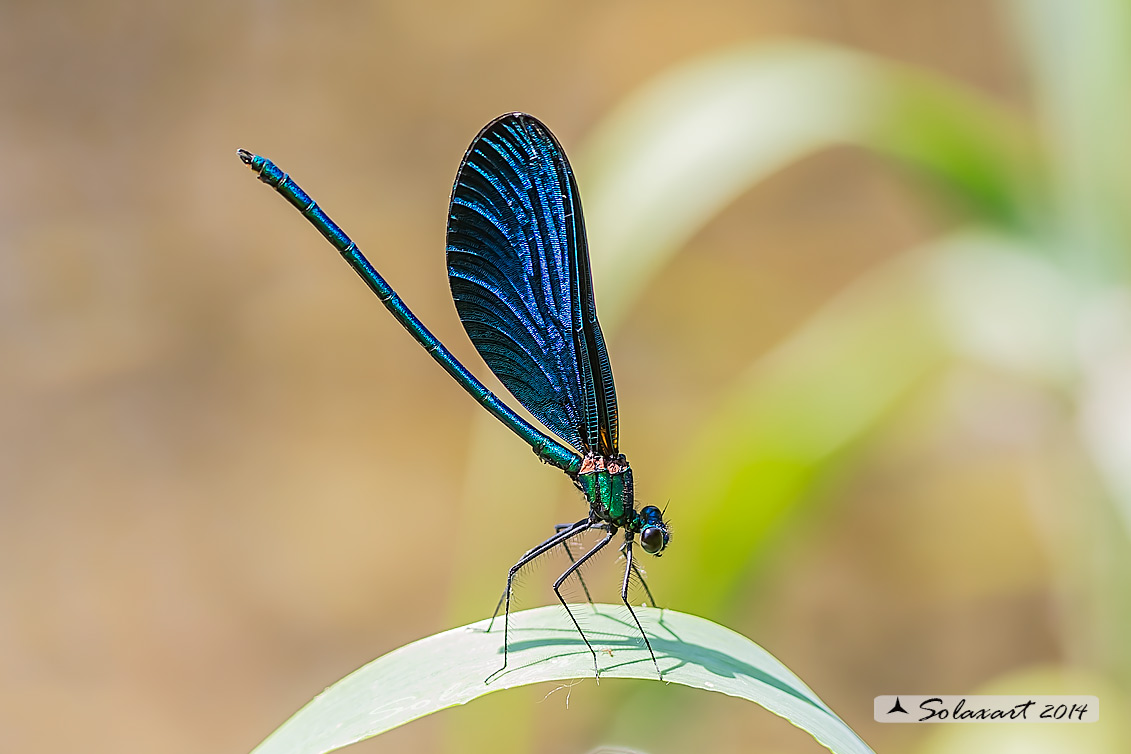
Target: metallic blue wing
518 265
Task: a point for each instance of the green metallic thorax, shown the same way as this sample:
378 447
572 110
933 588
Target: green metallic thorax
607 484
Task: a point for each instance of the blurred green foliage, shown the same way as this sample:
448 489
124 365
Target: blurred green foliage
1030 283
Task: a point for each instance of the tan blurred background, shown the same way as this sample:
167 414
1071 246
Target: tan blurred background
227 478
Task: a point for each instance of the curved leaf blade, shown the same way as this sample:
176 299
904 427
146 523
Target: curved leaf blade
449 668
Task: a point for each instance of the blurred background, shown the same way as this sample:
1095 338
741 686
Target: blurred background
863 270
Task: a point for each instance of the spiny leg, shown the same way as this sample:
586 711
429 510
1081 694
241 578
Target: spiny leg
557 530
530 555
561 580
643 583
565 546
640 576
629 567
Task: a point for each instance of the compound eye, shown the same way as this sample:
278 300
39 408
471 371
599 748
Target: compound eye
652 539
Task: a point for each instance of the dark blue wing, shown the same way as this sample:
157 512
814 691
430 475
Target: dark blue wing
518 265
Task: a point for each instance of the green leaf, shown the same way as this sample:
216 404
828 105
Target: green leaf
795 416
1079 58
450 668
685 146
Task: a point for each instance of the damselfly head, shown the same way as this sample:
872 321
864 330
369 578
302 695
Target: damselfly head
653 531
